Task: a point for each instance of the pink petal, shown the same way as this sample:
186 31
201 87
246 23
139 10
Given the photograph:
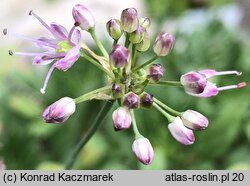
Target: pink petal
59 31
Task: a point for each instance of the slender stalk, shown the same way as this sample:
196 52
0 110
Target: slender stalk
136 131
133 56
98 43
115 41
137 56
97 122
167 107
88 95
171 83
98 65
146 63
127 42
168 116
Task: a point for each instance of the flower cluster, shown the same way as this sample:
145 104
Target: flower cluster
127 74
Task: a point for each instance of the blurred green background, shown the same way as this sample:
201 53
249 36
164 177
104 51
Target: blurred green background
26 142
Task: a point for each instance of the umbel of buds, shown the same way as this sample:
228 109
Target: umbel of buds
143 150
83 17
119 56
114 28
121 118
163 44
59 111
129 20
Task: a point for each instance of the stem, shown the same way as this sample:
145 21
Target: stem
167 107
137 56
136 131
146 63
98 43
133 56
168 116
97 122
115 42
94 62
127 42
171 83
88 95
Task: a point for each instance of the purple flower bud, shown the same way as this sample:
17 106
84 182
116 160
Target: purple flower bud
121 118
117 90
145 22
59 111
137 36
194 82
83 17
194 120
163 44
156 72
129 20
144 44
131 100
143 150
181 133
119 56
146 100
114 28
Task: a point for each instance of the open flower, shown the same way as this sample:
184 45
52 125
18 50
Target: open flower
63 49
59 111
197 84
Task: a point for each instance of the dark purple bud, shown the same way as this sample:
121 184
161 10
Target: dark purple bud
156 72
59 111
129 20
163 44
131 100
146 100
114 28
119 56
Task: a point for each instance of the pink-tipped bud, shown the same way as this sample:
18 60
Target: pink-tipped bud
193 82
121 118
143 150
137 36
114 28
119 56
163 44
181 133
144 44
59 111
194 120
129 20
131 100
146 100
156 72
83 17
145 22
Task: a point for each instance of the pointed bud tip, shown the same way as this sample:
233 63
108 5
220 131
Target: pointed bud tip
11 53
5 31
242 84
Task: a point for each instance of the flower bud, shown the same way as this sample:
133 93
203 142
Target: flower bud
163 44
131 100
194 82
146 100
119 56
121 118
180 132
194 120
137 36
143 150
59 111
114 28
129 20
156 72
145 22
117 90
83 17
144 44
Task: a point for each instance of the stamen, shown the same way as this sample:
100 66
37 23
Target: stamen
237 73
53 56
42 90
5 31
41 21
25 53
239 85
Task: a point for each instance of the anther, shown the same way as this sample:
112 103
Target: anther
242 84
11 52
239 74
77 23
5 31
31 12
